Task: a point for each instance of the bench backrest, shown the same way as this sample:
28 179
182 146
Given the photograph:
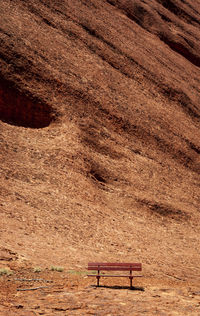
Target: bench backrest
106 266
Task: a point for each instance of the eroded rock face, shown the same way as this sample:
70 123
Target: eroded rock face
168 20
19 110
120 170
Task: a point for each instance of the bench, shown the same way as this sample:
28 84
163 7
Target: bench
102 266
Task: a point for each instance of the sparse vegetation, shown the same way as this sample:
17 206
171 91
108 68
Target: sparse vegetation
37 269
55 268
5 271
79 272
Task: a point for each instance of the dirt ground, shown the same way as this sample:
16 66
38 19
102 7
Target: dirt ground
71 292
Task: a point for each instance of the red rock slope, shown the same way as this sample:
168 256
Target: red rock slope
99 132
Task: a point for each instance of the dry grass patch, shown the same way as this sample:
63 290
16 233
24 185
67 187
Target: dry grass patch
5 271
56 268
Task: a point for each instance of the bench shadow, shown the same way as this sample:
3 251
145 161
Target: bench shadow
117 287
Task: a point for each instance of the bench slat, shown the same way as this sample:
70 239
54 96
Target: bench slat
117 276
104 268
117 264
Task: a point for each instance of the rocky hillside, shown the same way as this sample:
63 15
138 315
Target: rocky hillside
99 132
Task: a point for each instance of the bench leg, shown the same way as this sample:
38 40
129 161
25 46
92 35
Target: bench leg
131 281
98 278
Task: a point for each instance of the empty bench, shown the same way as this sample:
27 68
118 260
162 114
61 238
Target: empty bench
103 266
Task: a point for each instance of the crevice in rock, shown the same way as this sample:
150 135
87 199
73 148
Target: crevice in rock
18 109
182 50
178 11
193 147
97 176
164 210
151 22
182 98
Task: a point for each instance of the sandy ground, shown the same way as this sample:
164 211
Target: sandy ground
73 293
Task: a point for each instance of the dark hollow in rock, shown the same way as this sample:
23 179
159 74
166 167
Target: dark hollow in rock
20 110
165 210
97 176
181 49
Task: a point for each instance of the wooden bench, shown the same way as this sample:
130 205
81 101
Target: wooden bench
103 266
